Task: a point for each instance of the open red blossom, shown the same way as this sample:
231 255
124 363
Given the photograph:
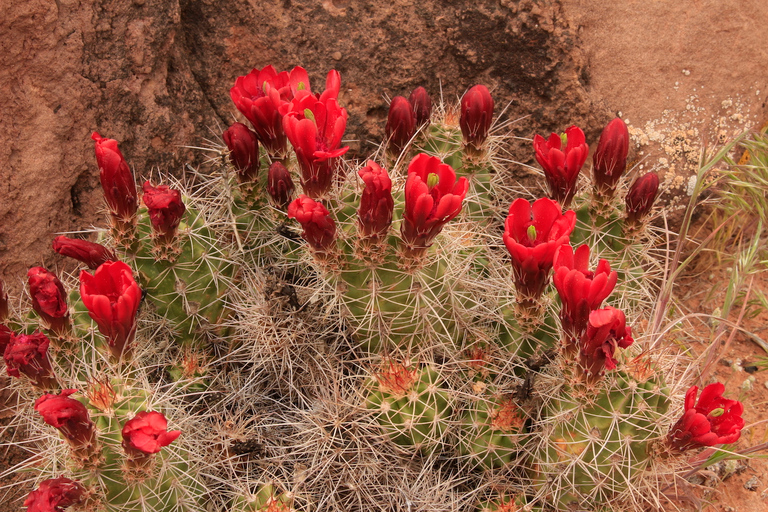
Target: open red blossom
401 124
422 105
165 209
259 96
606 331
116 178
28 354
315 128
376 204
90 253
532 235
70 417
49 300
641 196
433 197
562 164
610 158
243 147
319 227
713 420
55 495
112 298
580 289
280 185
147 433
476 115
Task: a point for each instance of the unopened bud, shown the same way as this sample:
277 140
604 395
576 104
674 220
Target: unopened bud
421 104
476 115
640 198
90 253
165 210
243 147
401 124
610 158
280 185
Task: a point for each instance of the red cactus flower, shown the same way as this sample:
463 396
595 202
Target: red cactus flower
243 147
55 495
280 185
259 96
562 164
401 124
5 337
713 420
476 115
165 209
319 227
433 197
376 204
580 290
315 128
70 417
641 196
28 354
146 434
606 331
532 235
610 158
90 253
116 179
49 300
112 298
422 105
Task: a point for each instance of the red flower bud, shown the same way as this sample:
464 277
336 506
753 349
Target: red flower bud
243 147
55 495
90 253
28 354
165 210
422 105
315 129
3 302
610 158
376 204
401 124
319 227
116 179
49 300
607 330
532 234
112 298
476 115
433 197
713 420
580 290
71 418
146 434
641 196
280 185
562 165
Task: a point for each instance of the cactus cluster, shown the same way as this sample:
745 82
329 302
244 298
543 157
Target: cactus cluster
413 332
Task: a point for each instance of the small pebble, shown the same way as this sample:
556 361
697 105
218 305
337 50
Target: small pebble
752 484
336 55
750 368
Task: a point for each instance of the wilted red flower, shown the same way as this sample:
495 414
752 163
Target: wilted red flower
280 185
146 434
610 158
70 417
580 289
112 298
376 204
243 147
421 104
641 196
55 495
165 209
5 337
433 197
713 420
116 179
259 96
606 331
562 164
28 354
401 124
319 227
90 253
315 128
49 300
476 115
532 235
